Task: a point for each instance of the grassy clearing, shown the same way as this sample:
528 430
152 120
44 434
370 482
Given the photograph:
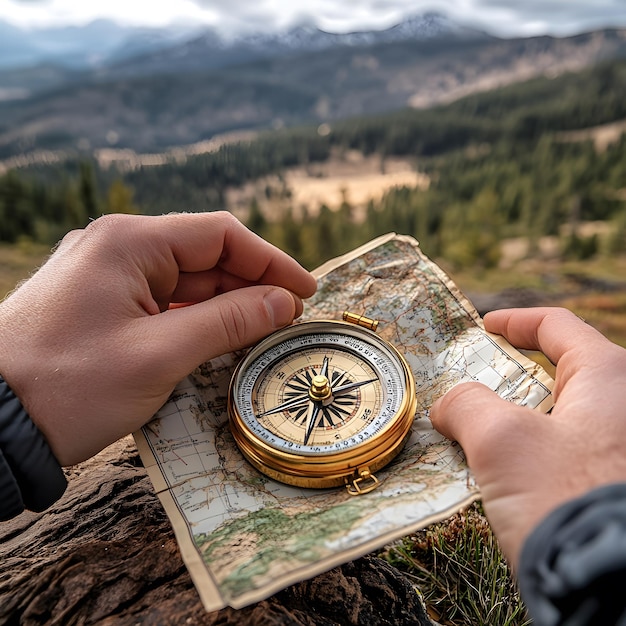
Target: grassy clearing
594 289
18 262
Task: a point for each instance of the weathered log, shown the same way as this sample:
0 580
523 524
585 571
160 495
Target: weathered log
106 554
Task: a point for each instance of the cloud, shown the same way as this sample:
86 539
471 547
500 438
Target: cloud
328 14
557 16
44 13
505 17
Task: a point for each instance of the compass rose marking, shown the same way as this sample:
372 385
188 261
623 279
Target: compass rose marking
309 408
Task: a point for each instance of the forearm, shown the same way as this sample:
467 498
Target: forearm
573 565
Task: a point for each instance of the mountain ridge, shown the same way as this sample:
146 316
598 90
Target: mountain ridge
151 112
103 42
211 51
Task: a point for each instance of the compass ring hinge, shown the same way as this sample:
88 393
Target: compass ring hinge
362 481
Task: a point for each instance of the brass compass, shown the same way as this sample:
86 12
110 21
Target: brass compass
323 404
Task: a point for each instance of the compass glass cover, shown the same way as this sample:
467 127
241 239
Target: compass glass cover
312 390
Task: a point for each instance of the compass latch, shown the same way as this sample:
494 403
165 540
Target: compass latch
360 320
362 481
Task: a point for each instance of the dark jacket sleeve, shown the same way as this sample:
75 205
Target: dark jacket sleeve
30 475
572 567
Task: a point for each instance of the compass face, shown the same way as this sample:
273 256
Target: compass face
320 388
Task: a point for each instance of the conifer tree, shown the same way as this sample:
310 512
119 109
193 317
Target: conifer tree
88 190
119 198
256 221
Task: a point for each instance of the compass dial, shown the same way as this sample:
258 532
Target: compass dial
283 405
318 397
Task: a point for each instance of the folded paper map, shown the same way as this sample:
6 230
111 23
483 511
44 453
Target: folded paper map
244 536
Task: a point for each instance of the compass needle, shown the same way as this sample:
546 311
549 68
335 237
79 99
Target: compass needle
314 409
286 406
324 370
350 386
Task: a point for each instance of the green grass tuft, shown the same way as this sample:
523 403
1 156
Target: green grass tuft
461 573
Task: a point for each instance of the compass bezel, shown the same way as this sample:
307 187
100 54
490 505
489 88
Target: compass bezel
330 466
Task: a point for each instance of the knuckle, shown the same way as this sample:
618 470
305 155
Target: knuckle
561 312
230 226
227 217
228 223
235 325
100 231
116 235
460 397
68 239
108 224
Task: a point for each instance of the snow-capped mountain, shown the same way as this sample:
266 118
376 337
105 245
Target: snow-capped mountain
307 36
210 50
103 43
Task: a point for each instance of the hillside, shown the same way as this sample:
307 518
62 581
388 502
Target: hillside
518 186
157 111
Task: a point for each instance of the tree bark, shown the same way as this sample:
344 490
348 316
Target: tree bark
106 554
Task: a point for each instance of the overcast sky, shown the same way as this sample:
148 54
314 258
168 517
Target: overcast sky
500 17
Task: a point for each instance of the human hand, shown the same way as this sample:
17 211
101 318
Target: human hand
528 463
96 340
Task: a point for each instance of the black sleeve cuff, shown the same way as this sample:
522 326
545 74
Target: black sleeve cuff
30 475
10 497
573 565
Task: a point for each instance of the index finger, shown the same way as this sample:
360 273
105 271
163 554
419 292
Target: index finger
203 241
167 246
552 330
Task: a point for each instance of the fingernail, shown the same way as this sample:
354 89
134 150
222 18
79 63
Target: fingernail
280 307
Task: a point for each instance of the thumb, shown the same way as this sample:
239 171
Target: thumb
484 424
237 319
